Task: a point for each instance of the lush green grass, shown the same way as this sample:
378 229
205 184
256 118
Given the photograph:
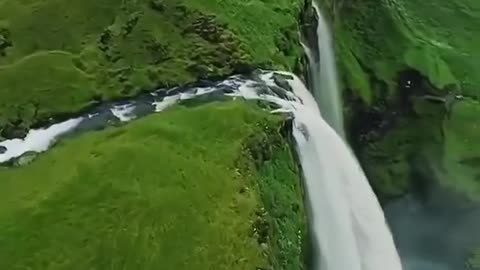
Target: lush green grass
376 42
105 49
178 190
284 214
462 152
59 88
436 142
438 38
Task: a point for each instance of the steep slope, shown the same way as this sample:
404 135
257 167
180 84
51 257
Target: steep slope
409 68
207 187
58 57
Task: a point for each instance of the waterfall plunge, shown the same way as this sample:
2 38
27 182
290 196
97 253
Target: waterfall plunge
324 76
348 226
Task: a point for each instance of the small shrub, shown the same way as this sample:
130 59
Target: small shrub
157 5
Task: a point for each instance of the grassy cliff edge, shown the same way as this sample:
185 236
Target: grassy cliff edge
58 57
210 187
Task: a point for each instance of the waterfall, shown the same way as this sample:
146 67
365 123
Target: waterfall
347 223
324 76
349 226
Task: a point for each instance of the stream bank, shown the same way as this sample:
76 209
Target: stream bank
125 48
194 187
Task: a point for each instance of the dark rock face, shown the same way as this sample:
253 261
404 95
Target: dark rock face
3 149
308 24
281 80
13 130
5 41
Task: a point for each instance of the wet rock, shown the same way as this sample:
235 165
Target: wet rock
280 92
226 89
282 81
3 149
25 159
204 99
256 75
12 131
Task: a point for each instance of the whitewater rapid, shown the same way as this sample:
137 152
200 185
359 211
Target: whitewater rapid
347 223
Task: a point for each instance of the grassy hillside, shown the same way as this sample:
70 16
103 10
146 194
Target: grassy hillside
440 39
210 187
403 62
59 56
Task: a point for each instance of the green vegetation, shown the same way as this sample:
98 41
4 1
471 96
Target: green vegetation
58 57
388 162
282 222
207 187
381 45
462 151
474 262
438 38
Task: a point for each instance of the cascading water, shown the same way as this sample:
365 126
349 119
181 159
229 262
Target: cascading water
324 76
348 225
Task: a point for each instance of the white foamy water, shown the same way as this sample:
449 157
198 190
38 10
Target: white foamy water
165 103
347 222
124 112
324 76
37 140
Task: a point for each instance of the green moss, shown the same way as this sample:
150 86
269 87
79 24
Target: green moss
377 41
47 71
117 48
388 160
432 65
462 152
354 76
282 199
473 263
438 38
281 224
174 190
